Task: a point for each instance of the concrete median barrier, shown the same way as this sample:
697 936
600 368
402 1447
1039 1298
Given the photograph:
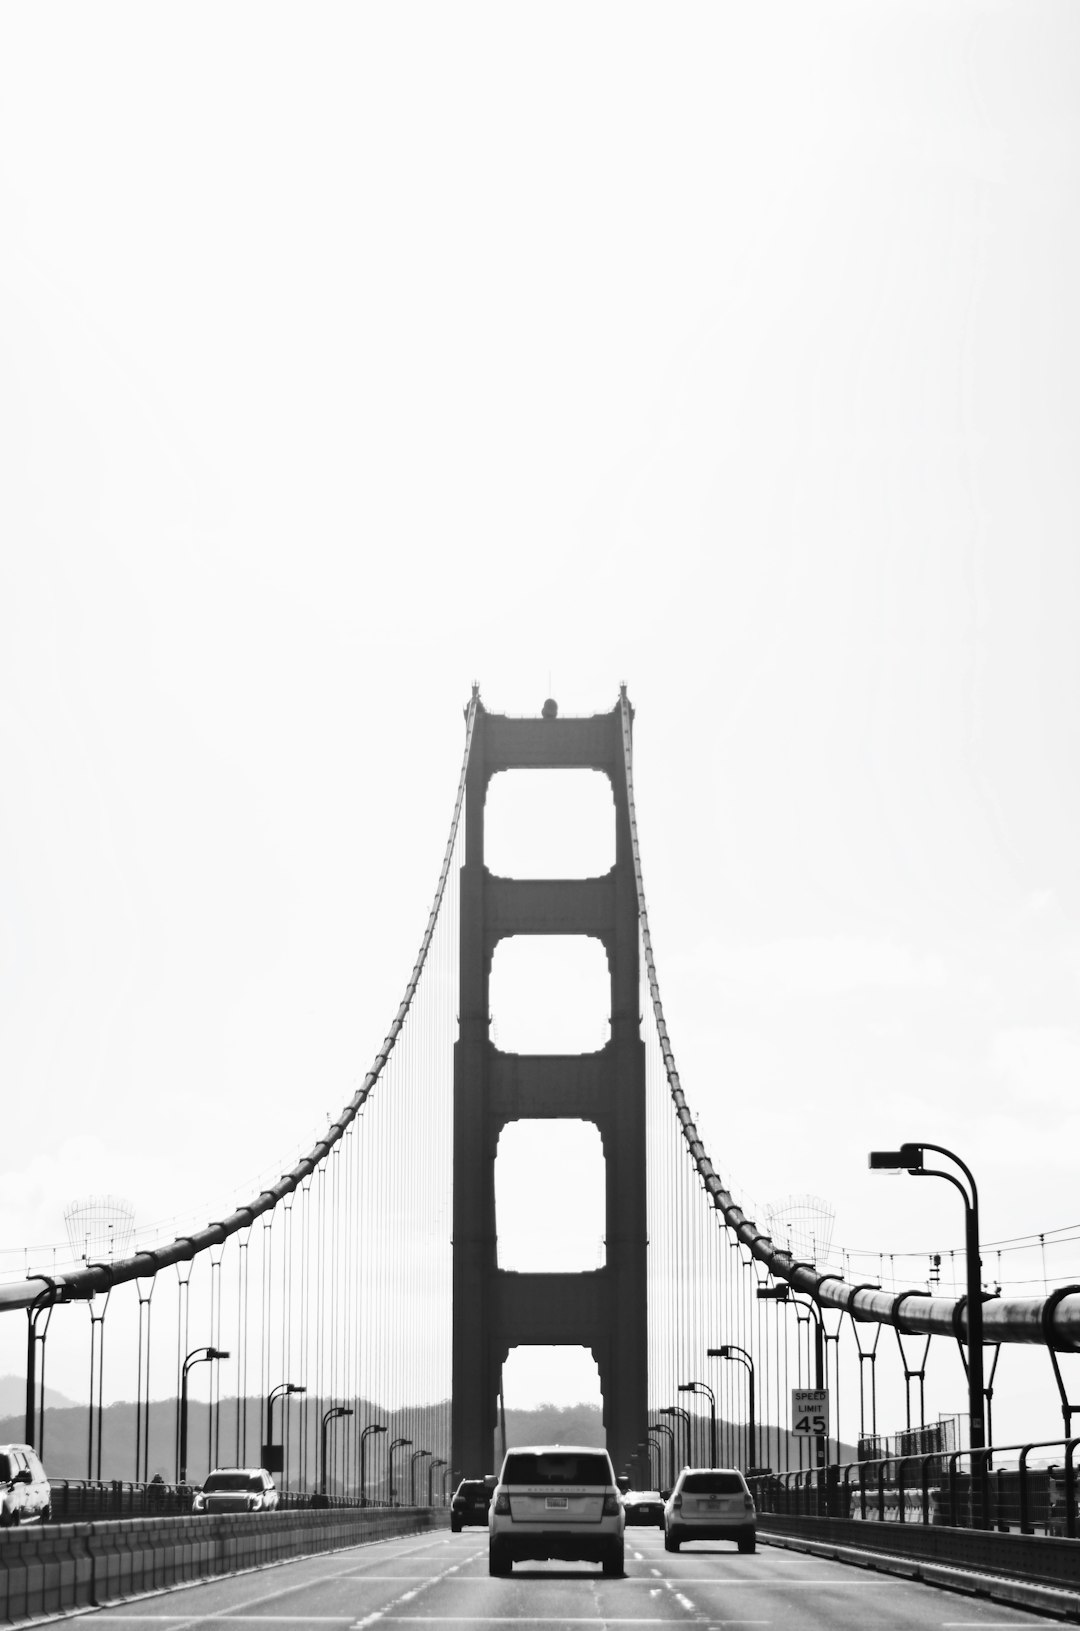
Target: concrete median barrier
53 1568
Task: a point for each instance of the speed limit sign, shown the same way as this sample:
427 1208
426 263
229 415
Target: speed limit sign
810 1411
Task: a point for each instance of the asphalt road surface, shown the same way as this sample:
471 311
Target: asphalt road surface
441 1579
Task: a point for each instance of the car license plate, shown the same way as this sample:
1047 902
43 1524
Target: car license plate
556 1501
716 1506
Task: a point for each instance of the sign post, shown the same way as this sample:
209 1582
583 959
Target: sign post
810 1419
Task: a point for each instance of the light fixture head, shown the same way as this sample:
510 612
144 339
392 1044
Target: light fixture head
908 1157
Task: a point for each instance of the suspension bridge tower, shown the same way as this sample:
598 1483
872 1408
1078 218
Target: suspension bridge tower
603 1310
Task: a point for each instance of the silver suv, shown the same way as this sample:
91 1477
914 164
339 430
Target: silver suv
556 1500
710 1503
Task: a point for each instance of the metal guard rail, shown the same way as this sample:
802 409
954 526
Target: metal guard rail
931 1489
88 1500
82 1284
1052 1321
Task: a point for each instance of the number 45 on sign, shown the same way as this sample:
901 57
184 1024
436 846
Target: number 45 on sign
810 1411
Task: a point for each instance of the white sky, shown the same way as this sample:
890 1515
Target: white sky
349 354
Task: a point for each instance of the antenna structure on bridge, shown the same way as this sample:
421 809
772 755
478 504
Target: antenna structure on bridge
803 1225
100 1228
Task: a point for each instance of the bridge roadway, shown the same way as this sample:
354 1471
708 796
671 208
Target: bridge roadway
439 1579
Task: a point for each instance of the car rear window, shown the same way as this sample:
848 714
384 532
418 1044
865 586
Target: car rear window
554 1467
713 1483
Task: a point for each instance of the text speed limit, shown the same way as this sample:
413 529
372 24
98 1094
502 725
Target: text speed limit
810 1411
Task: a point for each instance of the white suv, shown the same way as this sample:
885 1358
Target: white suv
710 1503
556 1500
25 1492
237 1489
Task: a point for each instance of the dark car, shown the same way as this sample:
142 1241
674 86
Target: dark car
472 1498
644 1506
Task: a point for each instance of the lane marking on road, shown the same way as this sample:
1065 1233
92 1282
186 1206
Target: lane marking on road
449 1574
453 1577
727 1580
356 1567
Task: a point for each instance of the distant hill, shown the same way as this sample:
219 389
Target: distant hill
551 1424
65 1437
65 1433
13 1397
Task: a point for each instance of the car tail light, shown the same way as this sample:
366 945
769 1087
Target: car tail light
502 1504
611 1506
748 1502
676 1501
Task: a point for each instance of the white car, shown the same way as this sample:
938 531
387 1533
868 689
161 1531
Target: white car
556 1500
237 1489
710 1503
25 1492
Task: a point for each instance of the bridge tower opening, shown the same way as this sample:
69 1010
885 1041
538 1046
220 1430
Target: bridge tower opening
604 1309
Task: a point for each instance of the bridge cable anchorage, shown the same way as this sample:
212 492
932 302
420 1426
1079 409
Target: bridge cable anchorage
1052 1321
84 1283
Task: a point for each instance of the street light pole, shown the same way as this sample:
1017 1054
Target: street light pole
436 1461
911 1158
197 1356
372 1427
676 1410
664 1427
328 1417
703 1387
656 1444
731 1350
416 1456
395 1444
283 1389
